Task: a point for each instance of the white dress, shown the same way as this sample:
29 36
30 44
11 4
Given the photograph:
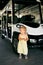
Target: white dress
22 47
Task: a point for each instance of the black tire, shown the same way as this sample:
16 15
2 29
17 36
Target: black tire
2 37
14 44
15 41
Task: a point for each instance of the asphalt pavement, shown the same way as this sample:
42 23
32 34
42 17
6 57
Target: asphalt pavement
9 57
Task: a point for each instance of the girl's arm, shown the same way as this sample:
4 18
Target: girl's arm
26 39
19 37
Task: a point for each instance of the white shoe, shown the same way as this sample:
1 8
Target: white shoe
26 57
20 57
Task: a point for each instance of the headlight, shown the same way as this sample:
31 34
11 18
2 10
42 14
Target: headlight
40 40
33 40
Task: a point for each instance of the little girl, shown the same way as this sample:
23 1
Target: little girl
22 44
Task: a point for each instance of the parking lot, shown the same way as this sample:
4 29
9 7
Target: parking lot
9 57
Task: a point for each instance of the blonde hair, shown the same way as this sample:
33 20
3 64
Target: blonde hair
23 27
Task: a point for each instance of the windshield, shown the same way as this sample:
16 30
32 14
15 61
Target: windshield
25 13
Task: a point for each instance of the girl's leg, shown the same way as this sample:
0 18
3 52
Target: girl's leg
26 57
20 56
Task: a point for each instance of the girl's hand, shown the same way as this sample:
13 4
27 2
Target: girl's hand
21 39
25 39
